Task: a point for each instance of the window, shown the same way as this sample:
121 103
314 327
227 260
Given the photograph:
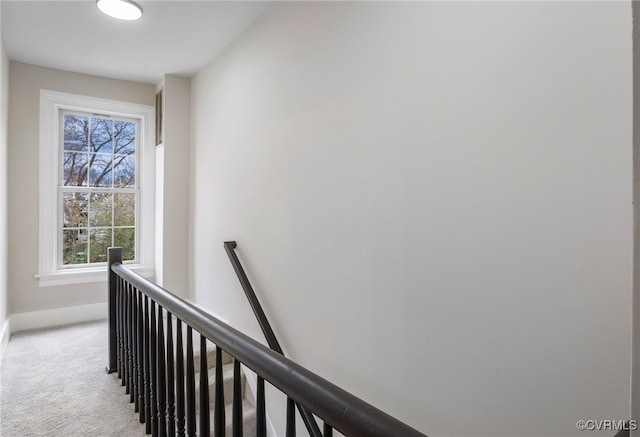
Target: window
96 186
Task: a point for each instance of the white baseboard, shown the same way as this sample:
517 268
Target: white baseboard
58 316
5 333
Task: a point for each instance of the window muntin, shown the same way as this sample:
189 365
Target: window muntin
51 271
98 188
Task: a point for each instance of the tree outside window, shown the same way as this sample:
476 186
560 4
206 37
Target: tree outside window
98 187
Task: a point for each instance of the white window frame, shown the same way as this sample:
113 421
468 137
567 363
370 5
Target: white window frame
52 103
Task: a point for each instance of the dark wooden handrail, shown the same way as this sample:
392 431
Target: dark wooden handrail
229 247
338 409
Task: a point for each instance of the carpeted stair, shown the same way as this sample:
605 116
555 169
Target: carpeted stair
248 404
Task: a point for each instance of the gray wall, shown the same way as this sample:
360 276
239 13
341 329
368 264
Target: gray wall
433 201
635 367
25 84
4 116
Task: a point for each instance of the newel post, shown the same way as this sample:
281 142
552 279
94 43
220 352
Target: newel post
115 256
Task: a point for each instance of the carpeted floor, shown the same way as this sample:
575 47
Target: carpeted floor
53 383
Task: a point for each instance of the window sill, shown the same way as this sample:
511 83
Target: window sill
85 276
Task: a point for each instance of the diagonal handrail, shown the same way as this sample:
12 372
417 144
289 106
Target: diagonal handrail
229 247
134 299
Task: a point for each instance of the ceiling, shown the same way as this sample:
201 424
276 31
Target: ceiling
172 37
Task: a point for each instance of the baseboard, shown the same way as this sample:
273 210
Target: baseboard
5 333
58 316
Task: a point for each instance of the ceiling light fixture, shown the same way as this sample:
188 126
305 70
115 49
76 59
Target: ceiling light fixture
120 9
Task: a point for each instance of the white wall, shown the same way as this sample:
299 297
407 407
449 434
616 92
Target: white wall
159 218
4 116
175 185
24 86
433 201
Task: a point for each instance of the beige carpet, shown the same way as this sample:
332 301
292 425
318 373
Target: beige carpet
53 383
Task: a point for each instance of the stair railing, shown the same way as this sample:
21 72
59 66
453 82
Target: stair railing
162 388
229 247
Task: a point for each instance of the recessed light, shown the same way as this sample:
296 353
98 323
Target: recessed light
120 9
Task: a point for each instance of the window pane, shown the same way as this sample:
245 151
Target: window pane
100 240
124 171
125 137
74 246
74 209
100 210
124 209
74 171
101 135
126 238
76 128
100 173
97 189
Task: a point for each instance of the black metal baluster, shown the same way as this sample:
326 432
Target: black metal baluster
236 422
218 412
140 319
161 390
117 318
261 418
129 301
191 387
125 339
291 418
171 418
327 431
117 294
134 346
119 330
123 335
179 380
153 344
205 426
147 367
